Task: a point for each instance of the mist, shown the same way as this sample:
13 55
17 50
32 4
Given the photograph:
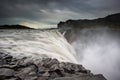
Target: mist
99 51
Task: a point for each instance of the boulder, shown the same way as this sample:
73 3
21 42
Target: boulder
6 73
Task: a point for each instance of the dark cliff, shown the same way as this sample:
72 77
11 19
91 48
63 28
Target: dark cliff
74 26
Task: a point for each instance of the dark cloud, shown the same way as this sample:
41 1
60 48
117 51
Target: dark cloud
53 11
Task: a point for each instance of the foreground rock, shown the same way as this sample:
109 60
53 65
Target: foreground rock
46 69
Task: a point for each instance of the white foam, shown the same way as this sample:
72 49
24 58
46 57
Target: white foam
36 44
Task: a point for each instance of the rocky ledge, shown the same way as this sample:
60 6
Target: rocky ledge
46 69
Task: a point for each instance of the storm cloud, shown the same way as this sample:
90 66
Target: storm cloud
47 13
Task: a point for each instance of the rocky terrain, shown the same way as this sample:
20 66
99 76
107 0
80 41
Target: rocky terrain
14 27
46 69
72 27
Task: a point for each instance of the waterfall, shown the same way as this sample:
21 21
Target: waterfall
36 44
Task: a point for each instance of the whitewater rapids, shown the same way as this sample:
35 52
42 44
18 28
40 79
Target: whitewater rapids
36 44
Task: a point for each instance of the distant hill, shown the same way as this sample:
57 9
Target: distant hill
14 27
73 27
111 21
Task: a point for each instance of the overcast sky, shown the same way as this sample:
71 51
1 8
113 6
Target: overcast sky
47 13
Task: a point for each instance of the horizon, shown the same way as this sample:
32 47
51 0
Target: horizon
34 26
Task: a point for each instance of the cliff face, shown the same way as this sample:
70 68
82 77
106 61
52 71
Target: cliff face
14 27
74 26
47 69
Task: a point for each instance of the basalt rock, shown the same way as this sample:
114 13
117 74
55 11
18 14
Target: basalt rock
71 28
47 69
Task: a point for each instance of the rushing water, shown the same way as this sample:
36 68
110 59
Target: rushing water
99 51
36 44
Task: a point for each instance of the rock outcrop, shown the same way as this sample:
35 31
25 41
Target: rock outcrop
74 26
46 69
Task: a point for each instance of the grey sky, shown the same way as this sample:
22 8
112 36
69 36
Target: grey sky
47 13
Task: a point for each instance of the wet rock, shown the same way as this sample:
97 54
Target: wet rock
27 73
47 69
43 78
6 73
95 77
7 59
49 62
46 74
